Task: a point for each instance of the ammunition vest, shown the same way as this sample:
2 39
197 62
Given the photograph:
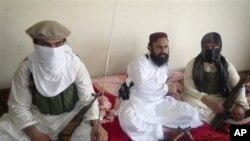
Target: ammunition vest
61 103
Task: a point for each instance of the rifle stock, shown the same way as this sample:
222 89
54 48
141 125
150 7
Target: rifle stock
228 103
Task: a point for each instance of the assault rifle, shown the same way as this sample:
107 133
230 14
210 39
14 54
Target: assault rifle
228 103
68 129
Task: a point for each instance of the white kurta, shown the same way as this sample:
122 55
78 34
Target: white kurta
23 114
193 96
147 110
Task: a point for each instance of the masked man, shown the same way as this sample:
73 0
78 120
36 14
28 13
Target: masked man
148 110
48 89
209 78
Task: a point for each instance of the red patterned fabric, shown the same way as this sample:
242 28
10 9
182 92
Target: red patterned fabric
207 133
115 132
110 97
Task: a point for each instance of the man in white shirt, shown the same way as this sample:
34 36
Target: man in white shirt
48 89
149 110
208 80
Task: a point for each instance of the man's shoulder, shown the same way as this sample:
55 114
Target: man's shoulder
139 59
230 65
191 61
74 61
22 68
142 57
23 65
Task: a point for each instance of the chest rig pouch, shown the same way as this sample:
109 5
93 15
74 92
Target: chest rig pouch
61 103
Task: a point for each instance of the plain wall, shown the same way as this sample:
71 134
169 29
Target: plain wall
90 22
248 38
3 82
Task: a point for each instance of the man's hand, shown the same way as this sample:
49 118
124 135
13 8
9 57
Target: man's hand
237 113
215 106
97 132
35 134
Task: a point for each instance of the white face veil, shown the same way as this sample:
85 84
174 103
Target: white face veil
51 60
50 69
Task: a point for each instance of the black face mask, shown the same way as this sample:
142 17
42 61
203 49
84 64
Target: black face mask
159 59
211 55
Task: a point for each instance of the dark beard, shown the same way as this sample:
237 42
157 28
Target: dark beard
160 59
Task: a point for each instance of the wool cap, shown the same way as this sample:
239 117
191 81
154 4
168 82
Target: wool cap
48 30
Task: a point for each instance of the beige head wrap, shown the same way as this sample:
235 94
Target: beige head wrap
48 30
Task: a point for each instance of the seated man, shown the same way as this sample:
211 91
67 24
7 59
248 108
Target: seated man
148 110
209 79
48 89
